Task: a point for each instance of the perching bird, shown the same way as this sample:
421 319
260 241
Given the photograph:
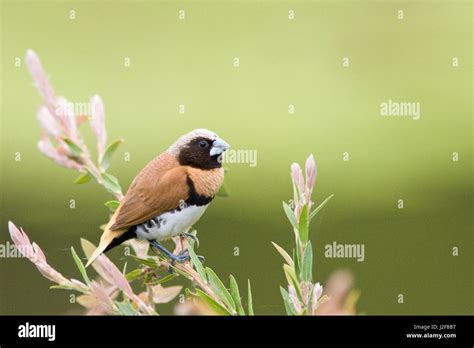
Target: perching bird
169 195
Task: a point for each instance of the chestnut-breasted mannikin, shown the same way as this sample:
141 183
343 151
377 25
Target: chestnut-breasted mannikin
169 195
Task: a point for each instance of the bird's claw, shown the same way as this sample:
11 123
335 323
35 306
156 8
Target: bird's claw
184 256
192 236
181 257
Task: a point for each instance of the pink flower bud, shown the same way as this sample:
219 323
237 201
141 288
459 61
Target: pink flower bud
104 303
310 173
35 255
298 210
119 280
298 188
41 80
47 148
317 291
67 118
294 299
39 253
48 122
50 273
297 177
310 179
98 123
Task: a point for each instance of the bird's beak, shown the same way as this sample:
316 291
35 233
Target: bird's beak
218 147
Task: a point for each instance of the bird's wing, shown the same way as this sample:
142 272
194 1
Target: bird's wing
155 191
159 187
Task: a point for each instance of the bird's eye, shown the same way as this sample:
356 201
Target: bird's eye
203 144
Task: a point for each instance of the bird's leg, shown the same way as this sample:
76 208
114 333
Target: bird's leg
180 258
196 242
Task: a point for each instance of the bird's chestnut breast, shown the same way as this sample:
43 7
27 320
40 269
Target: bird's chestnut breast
206 182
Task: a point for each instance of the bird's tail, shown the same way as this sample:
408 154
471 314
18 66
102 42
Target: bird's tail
105 240
107 237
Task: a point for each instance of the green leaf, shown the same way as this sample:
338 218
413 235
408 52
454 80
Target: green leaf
308 263
124 271
163 280
219 288
62 287
147 262
250 300
125 308
112 205
290 310
111 183
197 263
297 262
223 191
217 307
80 265
299 259
132 275
92 173
234 291
109 151
75 149
290 214
290 274
82 179
147 277
319 207
293 280
303 226
285 255
87 247
178 271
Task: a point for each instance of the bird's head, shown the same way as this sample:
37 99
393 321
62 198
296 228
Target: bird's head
200 148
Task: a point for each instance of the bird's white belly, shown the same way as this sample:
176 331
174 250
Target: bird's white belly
170 224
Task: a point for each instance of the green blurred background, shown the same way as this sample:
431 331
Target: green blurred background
282 62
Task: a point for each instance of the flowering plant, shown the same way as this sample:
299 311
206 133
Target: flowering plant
62 142
303 296
61 139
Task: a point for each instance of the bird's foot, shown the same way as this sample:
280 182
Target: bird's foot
192 236
185 254
179 258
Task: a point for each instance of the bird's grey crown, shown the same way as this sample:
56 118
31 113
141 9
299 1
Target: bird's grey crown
185 139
